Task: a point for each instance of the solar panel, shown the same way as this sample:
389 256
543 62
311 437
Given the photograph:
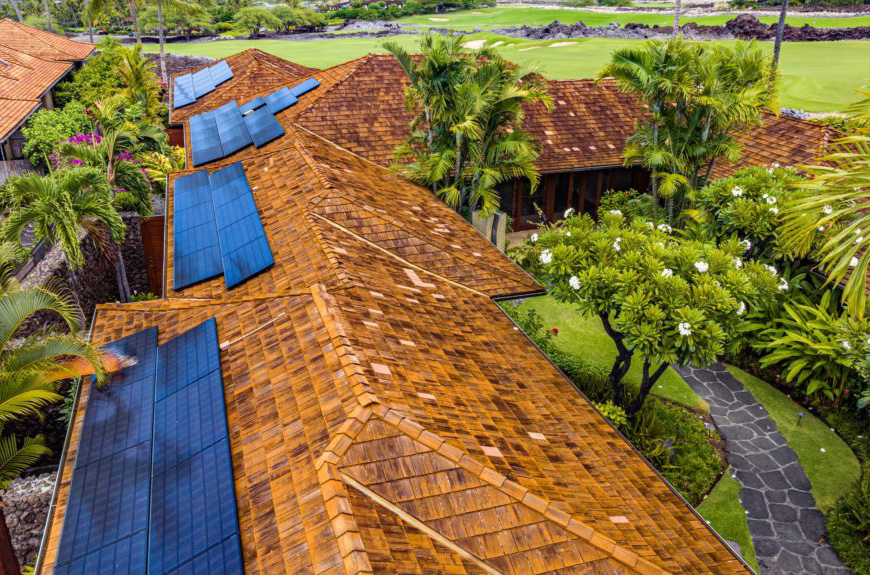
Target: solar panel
205 142
244 248
304 87
202 83
220 72
124 557
224 559
280 100
231 128
257 102
193 504
262 126
182 91
196 251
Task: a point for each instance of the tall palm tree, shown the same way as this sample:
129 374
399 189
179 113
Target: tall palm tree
64 207
777 44
45 5
177 6
677 7
140 84
134 14
17 8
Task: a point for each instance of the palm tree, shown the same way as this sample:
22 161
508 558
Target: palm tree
131 4
17 8
138 78
178 6
777 45
676 31
47 15
64 207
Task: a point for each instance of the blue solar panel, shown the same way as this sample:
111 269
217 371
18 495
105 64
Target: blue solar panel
205 142
280 100
305 86
224 558
257 102
187 358
244 248
182 91
119 415
125 557
263 126
196 251
231 128
202 83
221 72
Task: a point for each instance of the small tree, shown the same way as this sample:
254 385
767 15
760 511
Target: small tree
661 299
255 18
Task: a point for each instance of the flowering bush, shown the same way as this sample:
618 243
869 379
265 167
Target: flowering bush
47 128
661 298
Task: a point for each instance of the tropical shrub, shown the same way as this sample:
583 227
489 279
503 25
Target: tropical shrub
254 18
615 414
849 528
661 299
631 203
158 165
47 128
298 18
95 79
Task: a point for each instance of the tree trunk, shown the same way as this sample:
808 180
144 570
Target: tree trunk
622 363
90 20
17 9
654 185
8 561
135 17
76 291
646 385
121 273
163 76
676 31
47 15
777 45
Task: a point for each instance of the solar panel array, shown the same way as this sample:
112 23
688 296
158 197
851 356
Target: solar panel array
152 488
188 88
217 229
221 132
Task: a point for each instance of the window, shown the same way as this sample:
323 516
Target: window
506 196
528 211
561 196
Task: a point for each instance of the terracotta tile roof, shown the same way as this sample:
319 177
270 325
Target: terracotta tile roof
31 62
41 44
253 72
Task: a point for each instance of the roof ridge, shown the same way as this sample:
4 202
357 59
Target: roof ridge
30 31
346 436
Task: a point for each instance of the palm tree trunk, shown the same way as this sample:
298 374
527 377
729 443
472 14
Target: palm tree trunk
47 15
121 274
17 8
135 17
676 31
75 284
777 45
90 21
163 76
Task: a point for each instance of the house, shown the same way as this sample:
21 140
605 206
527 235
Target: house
362 109
382 414
32 62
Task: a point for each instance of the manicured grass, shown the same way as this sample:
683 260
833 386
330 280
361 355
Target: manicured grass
832 471
816 76
723 510
504 16
585 337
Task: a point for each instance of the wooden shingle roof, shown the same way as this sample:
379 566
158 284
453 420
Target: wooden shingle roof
41 44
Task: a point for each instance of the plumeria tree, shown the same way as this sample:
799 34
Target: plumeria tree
660 298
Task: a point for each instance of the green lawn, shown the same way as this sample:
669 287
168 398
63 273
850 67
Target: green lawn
585 337
832 471
817 76
504 16
723 510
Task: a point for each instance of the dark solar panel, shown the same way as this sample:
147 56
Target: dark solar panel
220 72
186 358
280 100
202 83
231 128
257 102
305 86
244 248
263 126
224 558
205 142
124 557
119 415
196 251
182 91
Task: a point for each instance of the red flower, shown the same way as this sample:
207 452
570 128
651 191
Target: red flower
555 330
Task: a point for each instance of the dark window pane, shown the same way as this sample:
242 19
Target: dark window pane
528 212
506 197
560 199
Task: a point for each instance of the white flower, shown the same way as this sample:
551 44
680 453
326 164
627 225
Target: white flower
615 213
821 228
783 285
774 210
857 231
738 263
771 200
702 266
616 243
568 212
853 263
574 282
664 228
567 234
827 210
534 238
771 269
651 225
742 309
859 240
822 449
846 345
546 257
736 191
685 329
868 341
747 244
774 165
661 244
667 272
764 196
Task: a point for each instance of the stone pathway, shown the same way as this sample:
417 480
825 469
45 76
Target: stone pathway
785 526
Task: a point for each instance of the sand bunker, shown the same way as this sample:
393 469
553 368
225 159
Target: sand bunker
560 44
439 19
527 49
475 44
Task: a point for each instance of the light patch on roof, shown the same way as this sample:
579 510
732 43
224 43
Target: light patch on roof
537 436
425 395
408 343
619 518
492 451
381 369
415 279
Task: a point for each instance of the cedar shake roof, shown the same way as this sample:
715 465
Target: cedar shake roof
386 417
31 62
